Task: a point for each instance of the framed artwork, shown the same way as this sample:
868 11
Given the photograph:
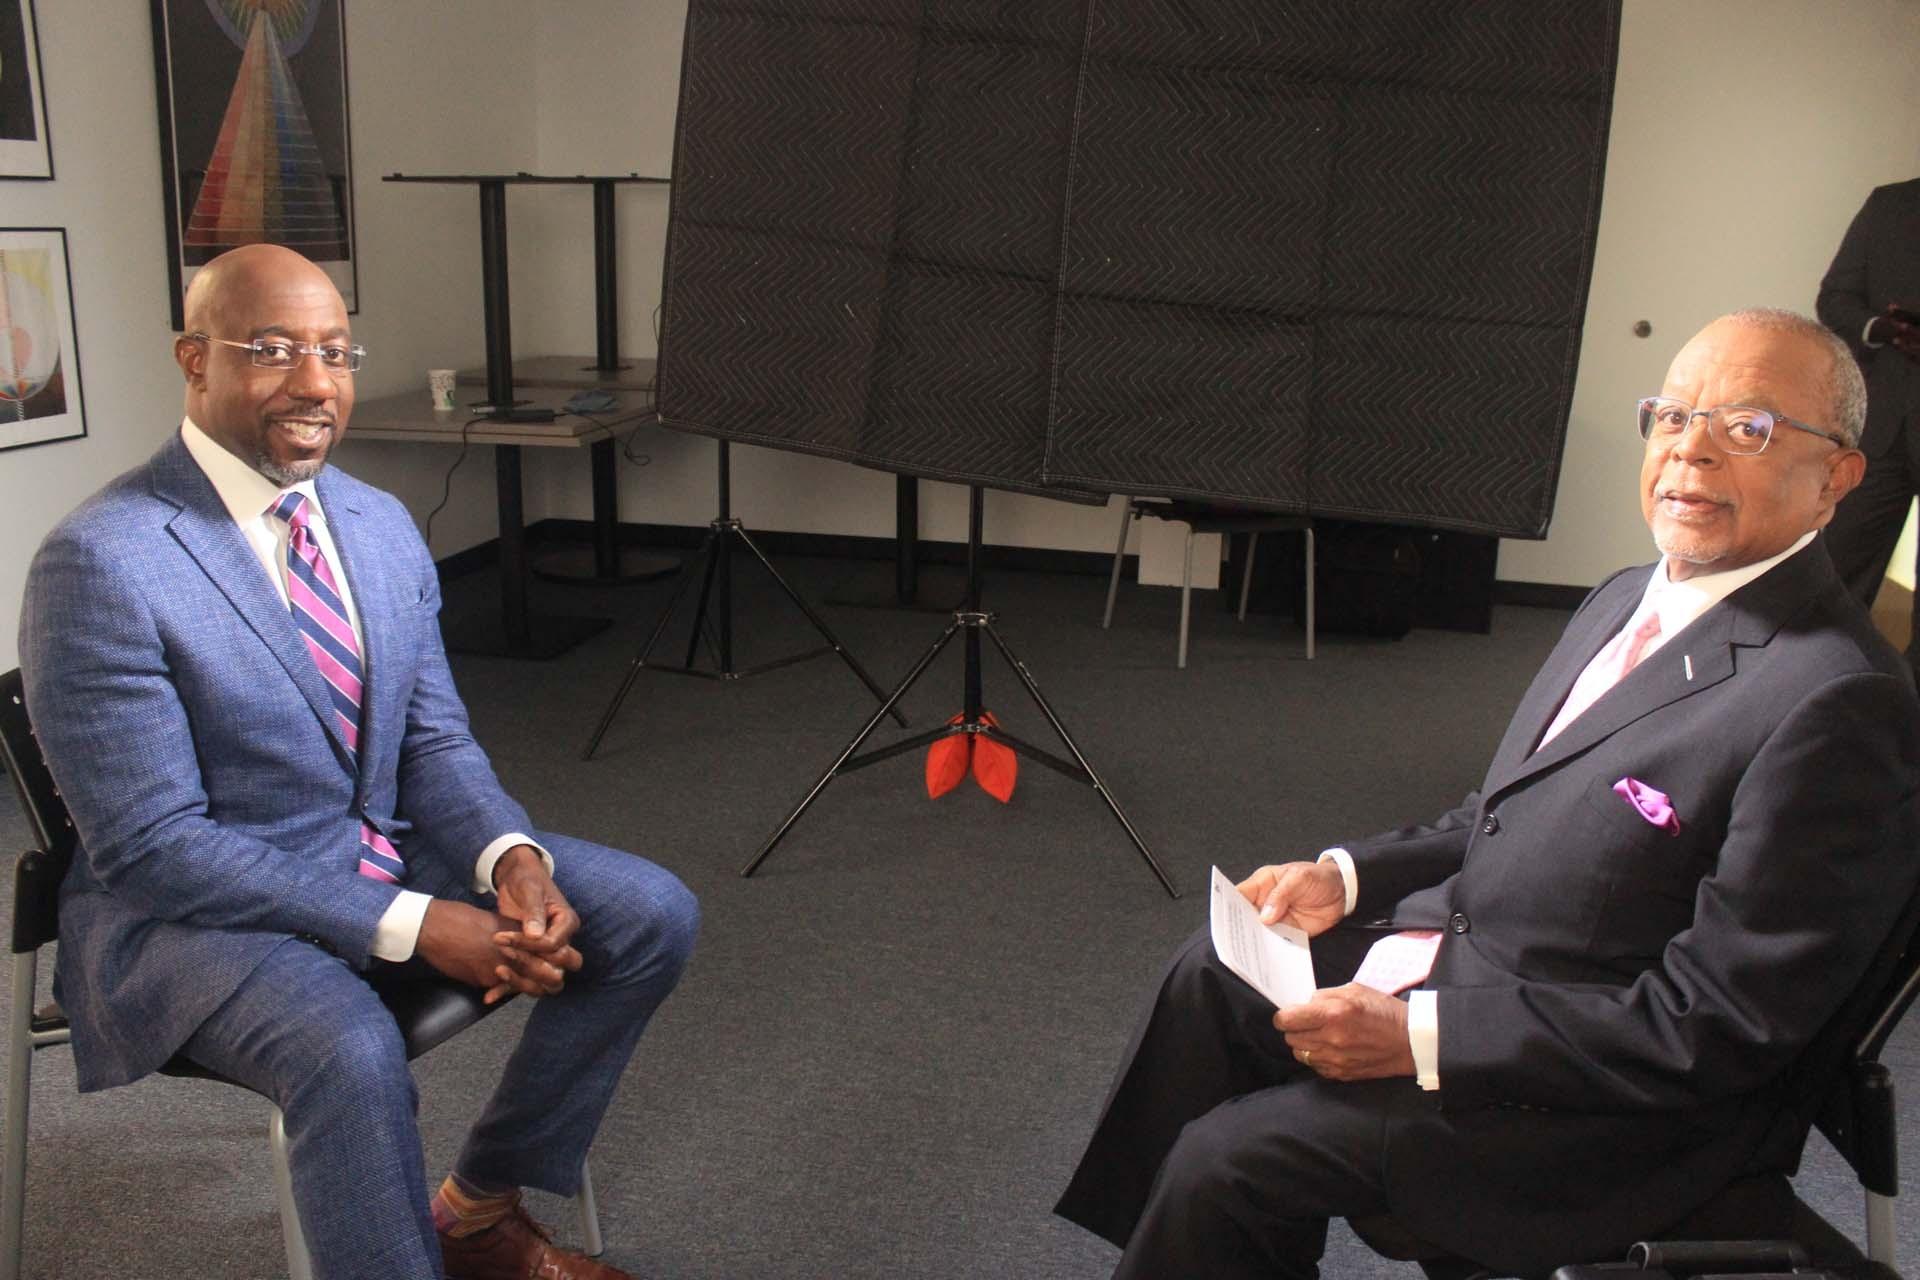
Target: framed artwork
253 133
39 354
25 151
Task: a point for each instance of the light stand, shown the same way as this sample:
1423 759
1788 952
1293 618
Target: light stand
970 619
713 563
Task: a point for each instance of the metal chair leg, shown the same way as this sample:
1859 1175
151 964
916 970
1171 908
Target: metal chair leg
299 1261
590 1242
1246 578
1880 1240
19 1086
1186 599
1309 541
1119 552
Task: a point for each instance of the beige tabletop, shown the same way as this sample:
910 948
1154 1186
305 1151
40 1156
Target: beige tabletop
407 417
570 373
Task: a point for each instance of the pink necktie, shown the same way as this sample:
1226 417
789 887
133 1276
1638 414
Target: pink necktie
321 616
1607 669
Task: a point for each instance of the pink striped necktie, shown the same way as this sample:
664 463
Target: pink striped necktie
1608 668
320 614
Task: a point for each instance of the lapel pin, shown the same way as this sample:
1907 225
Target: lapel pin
1687 659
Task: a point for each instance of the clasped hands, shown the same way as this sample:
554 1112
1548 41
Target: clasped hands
1899 332
1342 1033
523 947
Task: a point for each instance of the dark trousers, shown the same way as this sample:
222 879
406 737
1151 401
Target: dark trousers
1867 524
1218 1155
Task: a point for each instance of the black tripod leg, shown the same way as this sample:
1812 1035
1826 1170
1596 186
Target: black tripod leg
715 550
886 705
702 557
826 633
1039 700
646 650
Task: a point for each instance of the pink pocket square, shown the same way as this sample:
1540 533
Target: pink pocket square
1652 805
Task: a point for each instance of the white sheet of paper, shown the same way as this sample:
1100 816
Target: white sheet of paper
1272 958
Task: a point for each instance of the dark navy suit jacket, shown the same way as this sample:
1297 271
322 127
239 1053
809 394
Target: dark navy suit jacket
1620 1007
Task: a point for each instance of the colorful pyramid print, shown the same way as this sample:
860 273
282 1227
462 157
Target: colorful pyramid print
266 181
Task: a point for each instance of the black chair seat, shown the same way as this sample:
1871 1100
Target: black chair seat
1758 1208
429 1009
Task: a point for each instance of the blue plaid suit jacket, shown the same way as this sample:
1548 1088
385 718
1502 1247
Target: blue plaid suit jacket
188 729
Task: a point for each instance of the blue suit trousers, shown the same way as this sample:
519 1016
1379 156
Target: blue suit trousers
307 1032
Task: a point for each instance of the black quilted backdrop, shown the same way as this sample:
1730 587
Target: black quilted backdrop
1326 257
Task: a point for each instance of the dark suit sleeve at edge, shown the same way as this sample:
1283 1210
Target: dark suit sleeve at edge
1843 304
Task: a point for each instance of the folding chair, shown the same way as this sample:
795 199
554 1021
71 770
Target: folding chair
1202 518
429 1011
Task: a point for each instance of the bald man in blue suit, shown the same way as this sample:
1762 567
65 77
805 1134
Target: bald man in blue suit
219 906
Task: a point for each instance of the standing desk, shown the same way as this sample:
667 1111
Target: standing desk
406 417
520 637
606 562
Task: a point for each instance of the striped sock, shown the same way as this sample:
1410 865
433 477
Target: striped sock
462 1209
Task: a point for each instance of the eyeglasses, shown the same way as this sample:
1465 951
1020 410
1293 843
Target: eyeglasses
1737 428
283 353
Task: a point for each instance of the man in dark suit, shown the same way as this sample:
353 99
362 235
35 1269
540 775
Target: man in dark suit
233 661
1866 297
1668 882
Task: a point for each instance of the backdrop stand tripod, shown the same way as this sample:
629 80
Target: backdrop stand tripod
713 563
970 619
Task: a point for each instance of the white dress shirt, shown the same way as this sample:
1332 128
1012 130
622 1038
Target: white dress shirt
248 496
1678 604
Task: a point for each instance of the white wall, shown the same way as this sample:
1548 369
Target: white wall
100 115
1745 135
1801 105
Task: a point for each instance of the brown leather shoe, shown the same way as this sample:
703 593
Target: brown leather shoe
518 1248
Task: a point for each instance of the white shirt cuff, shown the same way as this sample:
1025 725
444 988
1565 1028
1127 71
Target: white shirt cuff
1423 1032
398 932
1866 334
1344 860
483 869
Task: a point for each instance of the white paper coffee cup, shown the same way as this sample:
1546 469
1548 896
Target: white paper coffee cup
440 388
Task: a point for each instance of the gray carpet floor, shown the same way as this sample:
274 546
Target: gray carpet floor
893 1040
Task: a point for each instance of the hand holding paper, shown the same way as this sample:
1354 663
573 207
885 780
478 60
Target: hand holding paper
1273 959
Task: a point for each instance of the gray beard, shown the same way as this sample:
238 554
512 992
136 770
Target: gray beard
1674 549
292 474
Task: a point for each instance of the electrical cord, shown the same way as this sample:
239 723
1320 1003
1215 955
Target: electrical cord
626 442
446 483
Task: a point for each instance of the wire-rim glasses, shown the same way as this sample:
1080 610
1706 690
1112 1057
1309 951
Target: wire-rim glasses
1737 428
284 353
